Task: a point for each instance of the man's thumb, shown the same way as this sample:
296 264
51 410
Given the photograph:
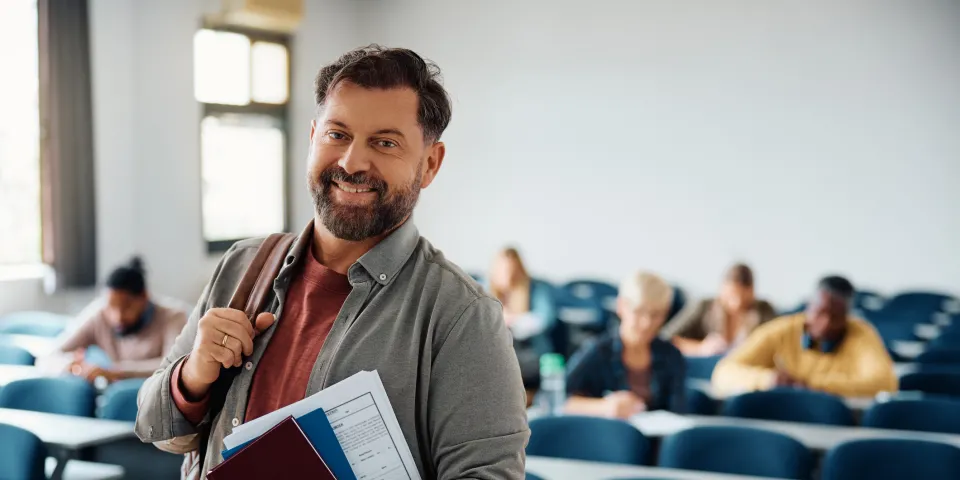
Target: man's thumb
263 322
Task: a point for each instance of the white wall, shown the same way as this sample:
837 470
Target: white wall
146 129
680 136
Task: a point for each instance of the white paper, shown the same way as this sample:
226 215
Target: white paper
360 413
660 423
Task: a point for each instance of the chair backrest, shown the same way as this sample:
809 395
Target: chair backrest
42 324
738 451
939 354
14 355
940 415
790 405
892 458
588 438
937 383
119 400
62 395
22 454
702 367
923 303
699 403
677 303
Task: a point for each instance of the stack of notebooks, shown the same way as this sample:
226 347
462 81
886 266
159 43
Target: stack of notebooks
345 432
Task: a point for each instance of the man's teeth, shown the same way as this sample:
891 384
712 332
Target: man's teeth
354 190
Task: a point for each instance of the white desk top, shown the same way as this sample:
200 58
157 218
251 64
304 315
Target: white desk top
560 469
10 373
816 437
37 346
926 331
80 470
909 349
67 431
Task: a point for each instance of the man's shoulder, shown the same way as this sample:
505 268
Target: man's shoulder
451 281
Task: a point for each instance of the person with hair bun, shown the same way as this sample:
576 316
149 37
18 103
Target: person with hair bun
131 329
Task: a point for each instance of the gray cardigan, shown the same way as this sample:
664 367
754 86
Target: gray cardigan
438 342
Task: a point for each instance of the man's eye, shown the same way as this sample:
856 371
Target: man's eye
336 135
386 144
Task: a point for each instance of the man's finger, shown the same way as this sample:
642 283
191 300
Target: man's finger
264 321
227 330
235 316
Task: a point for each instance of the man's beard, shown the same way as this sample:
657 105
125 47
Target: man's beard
360 222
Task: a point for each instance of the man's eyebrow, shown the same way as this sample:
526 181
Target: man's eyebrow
393 131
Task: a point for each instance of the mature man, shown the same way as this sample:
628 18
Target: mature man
360 290
822 349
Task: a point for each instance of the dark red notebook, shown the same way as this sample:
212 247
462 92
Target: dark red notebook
282 452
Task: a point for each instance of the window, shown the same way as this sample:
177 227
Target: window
20 242
243 81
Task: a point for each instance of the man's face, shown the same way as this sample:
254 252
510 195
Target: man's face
123 308
639 324
826 316
368 160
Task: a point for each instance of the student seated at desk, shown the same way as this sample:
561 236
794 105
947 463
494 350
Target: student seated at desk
132 330
822 349
714 325
528 310
633 370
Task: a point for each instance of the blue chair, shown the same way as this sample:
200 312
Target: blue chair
937 383
892 458
678 302
738 451
13 355
923 303
940 355
588 438
531 476
790 405
41 324
119 400
940 415
63 395
588 303
868 301
22 454
702 367
699 403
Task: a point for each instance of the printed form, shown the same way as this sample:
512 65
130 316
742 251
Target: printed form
361 416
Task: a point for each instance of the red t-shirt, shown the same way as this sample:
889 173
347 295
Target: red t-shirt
312 305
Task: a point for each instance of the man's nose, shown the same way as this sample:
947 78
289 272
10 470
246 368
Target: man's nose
355 159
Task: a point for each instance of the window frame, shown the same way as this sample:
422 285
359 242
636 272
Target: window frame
277 111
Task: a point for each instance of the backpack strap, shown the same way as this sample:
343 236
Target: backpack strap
251 296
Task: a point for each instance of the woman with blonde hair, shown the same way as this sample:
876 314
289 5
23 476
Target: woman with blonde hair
631 370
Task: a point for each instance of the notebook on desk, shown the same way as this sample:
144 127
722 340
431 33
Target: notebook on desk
282 452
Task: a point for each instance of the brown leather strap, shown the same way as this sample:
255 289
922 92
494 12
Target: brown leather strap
254 274
256 301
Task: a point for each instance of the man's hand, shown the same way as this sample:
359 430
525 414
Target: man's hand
90 372
224 336
623 404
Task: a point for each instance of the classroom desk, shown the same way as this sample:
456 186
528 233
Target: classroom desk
561 469
908 348
854 403
37 346
10 373
80 470
814 437
926 331
66 433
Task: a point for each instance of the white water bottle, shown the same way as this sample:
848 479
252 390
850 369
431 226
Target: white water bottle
553 383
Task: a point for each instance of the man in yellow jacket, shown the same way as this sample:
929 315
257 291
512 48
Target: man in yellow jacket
822 349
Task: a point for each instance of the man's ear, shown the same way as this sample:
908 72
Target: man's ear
433 162
313 129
